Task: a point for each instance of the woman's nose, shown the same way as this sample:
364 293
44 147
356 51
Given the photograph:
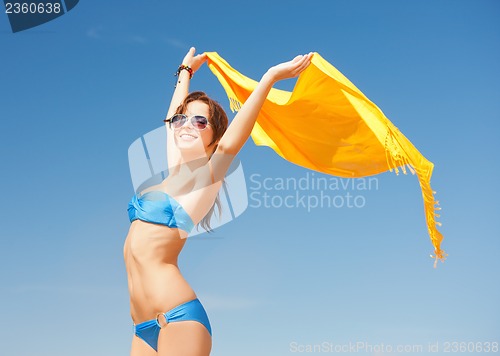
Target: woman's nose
188 122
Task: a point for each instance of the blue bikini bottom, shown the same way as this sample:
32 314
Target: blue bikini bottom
192 310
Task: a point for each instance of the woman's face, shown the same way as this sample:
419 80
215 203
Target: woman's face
190 139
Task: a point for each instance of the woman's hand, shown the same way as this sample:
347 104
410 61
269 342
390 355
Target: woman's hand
290 69
195 62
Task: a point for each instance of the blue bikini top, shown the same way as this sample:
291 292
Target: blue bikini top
159 208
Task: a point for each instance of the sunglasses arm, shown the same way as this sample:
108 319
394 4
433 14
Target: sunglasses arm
168 120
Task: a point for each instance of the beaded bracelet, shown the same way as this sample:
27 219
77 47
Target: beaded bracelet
184 67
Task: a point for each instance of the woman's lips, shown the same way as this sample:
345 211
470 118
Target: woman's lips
188 137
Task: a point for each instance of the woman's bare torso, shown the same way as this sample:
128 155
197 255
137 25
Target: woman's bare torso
151 250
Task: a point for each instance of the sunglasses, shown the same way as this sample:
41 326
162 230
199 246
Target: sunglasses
199 122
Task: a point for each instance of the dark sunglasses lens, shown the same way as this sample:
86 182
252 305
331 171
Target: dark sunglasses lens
200 122
178 120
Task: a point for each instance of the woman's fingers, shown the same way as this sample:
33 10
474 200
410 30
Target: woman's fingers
194 61
291 68
304 63
189 56
202 57
301 59
301 64
197 61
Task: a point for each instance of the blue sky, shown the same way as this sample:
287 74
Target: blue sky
77 91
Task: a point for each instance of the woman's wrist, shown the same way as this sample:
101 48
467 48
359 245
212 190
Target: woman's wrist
268 78
183 75
186 68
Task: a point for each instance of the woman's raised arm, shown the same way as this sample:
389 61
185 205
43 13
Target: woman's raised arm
180 93
240 128
182 85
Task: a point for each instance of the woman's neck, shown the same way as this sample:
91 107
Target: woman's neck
190 163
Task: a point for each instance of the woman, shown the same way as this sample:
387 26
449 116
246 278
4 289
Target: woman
168 318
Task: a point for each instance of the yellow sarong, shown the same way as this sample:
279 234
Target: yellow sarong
328 125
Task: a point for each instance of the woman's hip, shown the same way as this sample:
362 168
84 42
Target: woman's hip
149 299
